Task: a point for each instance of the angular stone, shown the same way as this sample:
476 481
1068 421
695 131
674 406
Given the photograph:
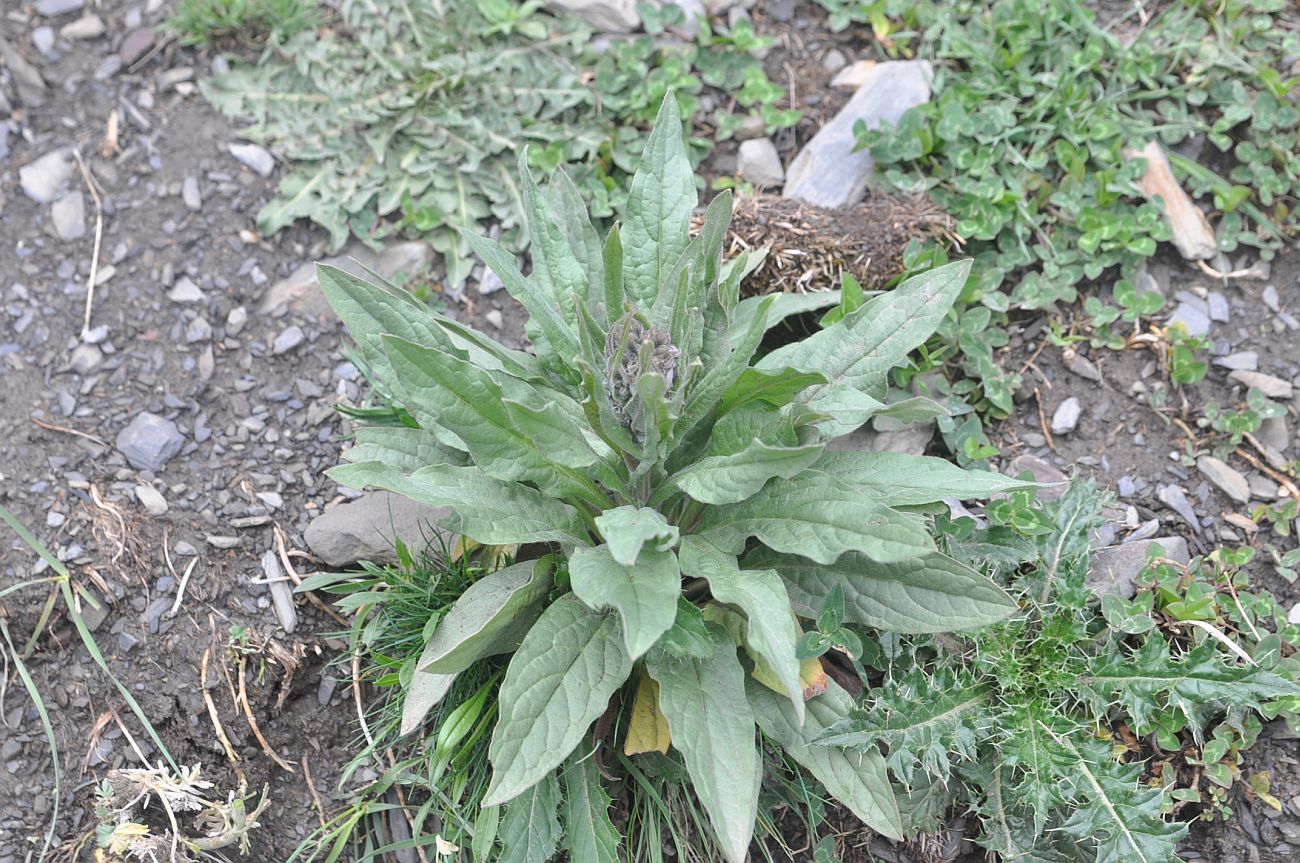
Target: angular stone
1066 417
1273 433
134 46
68 215
1274 388
287 340
911 439
301 291
1195 320
45 180
85 27
185 291
1228 479
1113 570
55 8
1176 499
255 158
1246 361
151 499
365 529
85 359
1218 304
759 163
236 320
1041 471
828 172
611 16
150 441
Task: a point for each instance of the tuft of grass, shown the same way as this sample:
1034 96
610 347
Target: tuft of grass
202 22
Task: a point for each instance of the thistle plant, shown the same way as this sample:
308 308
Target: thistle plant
678 517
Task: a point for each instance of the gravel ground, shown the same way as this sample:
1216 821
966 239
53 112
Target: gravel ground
196 417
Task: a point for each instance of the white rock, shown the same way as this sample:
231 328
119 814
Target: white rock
490 283
828 172
68 215
759 163
612 16
185 291
45 180
1274 388
1293 616
190 194
256 158
236 320
494 318
85 27
151 499
1066 416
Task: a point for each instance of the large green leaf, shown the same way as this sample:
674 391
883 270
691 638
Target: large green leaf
719 378
423 694
786 306
841 409
861 349
644 594
712 726
486 510
627 528
584 243
857 778
657 217
732 478
558 682
816 515
444 390
530 829
770 628
489 611
933 593
406 449
777 387
898 479
556 269
589 835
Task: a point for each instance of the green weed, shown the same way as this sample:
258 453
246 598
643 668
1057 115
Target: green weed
201 22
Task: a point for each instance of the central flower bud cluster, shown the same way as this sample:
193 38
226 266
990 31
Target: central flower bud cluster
628 345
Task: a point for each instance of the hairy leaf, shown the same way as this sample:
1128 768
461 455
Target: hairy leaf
589 835
816 515
770 630
645 594
933 593
558 682
786 305
856 778
733 478
627 528
406 449
424 693
899 479
486 615
713 728
530 828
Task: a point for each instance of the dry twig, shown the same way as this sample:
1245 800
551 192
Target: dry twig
65 430
99 237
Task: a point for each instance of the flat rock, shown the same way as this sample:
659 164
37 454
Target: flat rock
255 158
45 180
54 8
150 441
151 499
611 16
1192 234
759 163
1228 479
1176 499
1114 570
1194 319
1273 433
1041 471
288 339
365 529
301 291
85 27
31 86
1066 417
1274 388
1245 361
185 291
1218 304
134 46
68 215
828 172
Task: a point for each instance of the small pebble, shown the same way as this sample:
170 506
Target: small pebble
1066 417
287 340
190 194
494 318
151 499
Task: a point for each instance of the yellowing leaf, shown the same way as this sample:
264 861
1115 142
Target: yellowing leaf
648 730
811 675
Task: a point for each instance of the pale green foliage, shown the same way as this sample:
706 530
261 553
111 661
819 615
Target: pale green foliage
646 446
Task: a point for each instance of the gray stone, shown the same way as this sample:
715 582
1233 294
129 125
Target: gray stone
43 38
828 172
236 320
198 330
490 283
1273 433
1042 472
1066 416
1274 388
365 528
1246 361
85 27
68 216
301 290
55 8
222 542
611 16
1262 488
1114 570
151 499
1218 304
190 194
1195 320
255 158
1228 479
185 291
134 46
834 60
759 163
753 126
1176 499
150 441
27 79
289 338
45 180
325 691
85 359
912 440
